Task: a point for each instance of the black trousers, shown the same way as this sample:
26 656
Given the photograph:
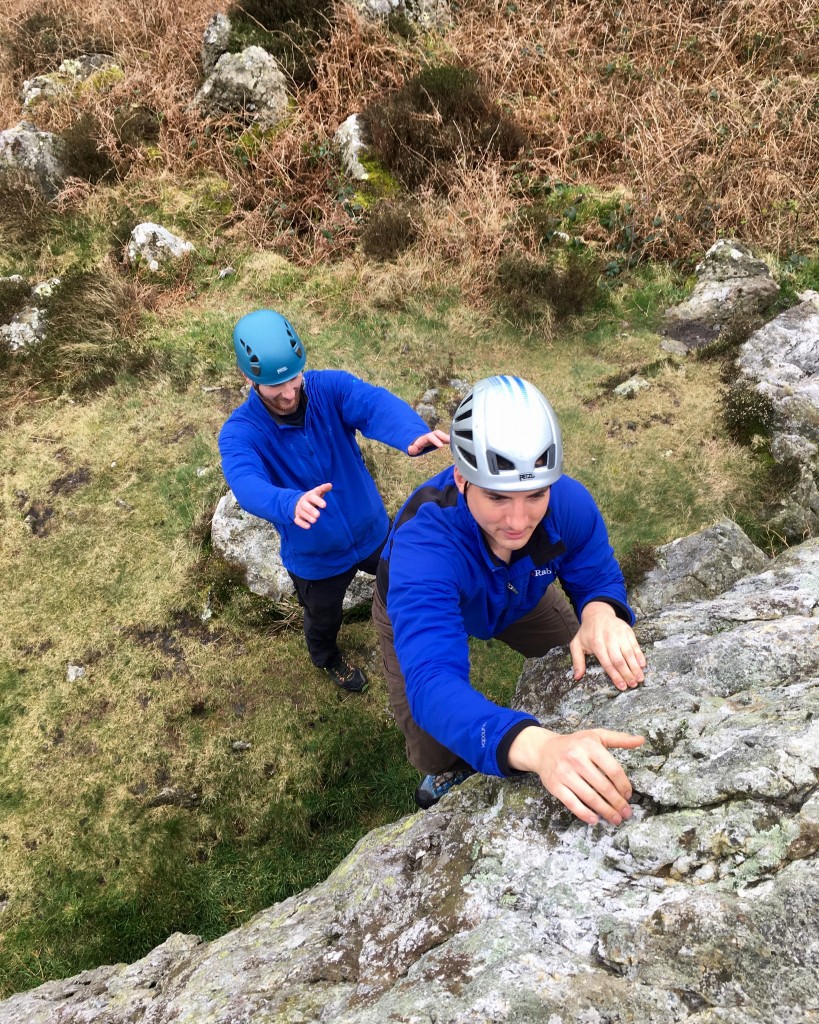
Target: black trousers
322 602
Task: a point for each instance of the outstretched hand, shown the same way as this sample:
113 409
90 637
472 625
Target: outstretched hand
309 506
427 442
578 769
612 642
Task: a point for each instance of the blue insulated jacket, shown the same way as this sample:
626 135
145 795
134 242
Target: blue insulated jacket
442 584
269 465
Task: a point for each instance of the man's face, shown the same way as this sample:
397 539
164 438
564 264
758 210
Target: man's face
507 518
282 399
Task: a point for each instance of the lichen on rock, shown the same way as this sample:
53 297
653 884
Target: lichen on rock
497 905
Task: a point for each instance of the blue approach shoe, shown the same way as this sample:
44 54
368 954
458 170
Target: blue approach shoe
433 787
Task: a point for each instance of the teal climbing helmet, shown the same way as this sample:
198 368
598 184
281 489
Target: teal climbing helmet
268 350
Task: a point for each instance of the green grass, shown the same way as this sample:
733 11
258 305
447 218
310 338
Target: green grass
91 871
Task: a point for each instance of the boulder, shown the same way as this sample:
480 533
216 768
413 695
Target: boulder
731 284
28 326
250 82
426 13
437 405
215 40
252 545
351 146
38 157
498 906
698 566
781 362
95 69
153 246
783 359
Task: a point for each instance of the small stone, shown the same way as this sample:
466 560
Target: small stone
240 746
630 387
74 672
681 867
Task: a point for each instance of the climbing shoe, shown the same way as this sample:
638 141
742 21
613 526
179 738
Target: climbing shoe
433 787
346 676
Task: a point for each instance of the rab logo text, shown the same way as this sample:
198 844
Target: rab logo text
542 572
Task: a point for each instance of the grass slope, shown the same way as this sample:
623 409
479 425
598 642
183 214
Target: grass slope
125 811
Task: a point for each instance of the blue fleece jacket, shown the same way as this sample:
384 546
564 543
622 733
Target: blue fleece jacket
268 465
442 584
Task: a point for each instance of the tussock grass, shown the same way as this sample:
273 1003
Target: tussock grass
702 116
440 119
93 319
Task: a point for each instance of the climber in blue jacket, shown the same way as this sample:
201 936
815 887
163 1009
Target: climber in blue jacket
289 454
476 552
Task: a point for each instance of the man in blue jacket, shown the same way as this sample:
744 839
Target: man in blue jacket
289 454
476 552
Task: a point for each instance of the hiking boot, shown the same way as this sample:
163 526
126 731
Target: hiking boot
433 787
346 676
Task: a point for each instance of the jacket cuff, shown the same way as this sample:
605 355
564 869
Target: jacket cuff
622 611
502 753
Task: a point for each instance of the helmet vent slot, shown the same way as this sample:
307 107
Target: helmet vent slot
547 459
468 457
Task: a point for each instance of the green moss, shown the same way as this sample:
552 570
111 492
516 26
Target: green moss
253 140
104 79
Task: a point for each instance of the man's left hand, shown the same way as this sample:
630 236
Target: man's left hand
426 442
612 642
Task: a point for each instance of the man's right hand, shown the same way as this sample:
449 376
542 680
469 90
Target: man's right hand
578 769
309 506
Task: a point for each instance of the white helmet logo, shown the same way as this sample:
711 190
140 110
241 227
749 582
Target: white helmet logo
281 369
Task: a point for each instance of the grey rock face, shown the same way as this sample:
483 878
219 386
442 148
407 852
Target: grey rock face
497 906
252 545
153 246
215 41
783 357
701 565
730 283
68 77
248 82
37 156
781 360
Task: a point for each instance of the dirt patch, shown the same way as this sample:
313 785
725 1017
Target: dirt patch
691 334
71 481
38 516
182 435
155 636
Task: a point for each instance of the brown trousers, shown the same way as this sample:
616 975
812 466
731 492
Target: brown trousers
551 623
